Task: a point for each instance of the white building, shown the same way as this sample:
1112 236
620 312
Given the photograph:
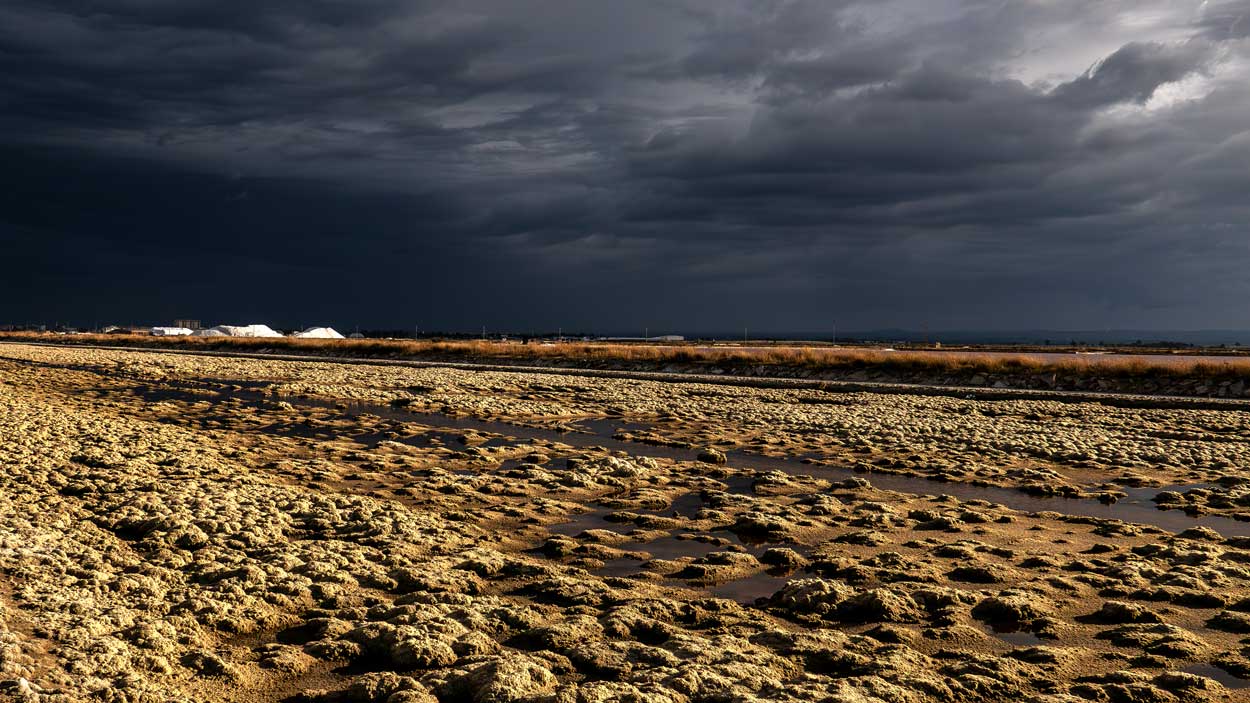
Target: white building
171 332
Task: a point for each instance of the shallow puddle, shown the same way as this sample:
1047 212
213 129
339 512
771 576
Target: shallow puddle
1137 508
593 520
622 566
1015 638
752 588
1215 673
607 427
684 506
1146 494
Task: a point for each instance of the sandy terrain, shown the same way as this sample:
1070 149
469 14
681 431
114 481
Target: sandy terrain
178 528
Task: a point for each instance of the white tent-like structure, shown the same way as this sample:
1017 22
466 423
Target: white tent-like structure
239 331
319 333
170 332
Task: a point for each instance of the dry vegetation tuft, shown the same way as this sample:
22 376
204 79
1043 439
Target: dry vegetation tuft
728 358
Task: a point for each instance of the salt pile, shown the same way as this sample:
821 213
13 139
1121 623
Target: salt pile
239 331
319 333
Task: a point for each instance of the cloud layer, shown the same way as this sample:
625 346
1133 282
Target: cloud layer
683 164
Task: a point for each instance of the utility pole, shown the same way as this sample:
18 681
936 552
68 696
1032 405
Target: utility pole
835 334
483 333
744 335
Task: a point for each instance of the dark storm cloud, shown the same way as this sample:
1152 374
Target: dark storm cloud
1134 73
1226 19
737 42
685 162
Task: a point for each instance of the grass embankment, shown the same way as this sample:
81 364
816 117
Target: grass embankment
819 359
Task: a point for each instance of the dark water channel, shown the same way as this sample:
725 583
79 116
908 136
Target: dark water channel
598 433
1136 508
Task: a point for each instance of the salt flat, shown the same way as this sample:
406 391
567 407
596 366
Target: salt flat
189 528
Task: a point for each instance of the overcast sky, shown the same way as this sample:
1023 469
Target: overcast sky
685 165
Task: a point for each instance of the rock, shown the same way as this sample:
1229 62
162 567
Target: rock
409 580
1234 662
891 634
863 538
719 566
1016 609
1168 498
383 687
209 664
287 659
1203 533
561 637
567 591
483 563
422 651
1184 683
559 546
989 573
879 605
1157 638
712 456
811 596
783 557
944 523
473 644
1038 655
500 679
763 527
616 692
1230 621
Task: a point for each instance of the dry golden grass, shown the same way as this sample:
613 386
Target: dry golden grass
729 358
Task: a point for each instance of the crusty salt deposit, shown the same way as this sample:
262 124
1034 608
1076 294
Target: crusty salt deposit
202 528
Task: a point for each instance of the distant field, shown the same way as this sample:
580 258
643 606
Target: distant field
816 358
